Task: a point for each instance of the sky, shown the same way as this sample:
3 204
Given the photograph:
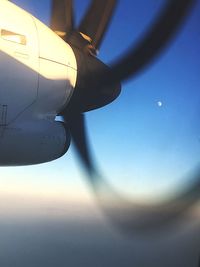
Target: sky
146 143
149 137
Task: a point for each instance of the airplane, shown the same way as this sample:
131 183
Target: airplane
53 71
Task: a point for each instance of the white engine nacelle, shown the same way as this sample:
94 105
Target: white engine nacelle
38 73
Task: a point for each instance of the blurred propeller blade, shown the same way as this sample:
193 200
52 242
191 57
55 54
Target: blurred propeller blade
131 217
62 17
96 20
154 41
77 127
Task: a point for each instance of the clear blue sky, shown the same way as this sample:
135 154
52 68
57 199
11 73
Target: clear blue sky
149 139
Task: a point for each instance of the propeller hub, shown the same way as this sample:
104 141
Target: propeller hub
91 92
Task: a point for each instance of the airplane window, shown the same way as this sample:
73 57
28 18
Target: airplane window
13 37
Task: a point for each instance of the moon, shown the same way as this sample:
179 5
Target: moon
160 104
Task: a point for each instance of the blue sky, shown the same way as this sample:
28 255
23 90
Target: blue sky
147 141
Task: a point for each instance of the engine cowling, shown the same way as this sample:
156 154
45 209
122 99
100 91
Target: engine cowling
38 73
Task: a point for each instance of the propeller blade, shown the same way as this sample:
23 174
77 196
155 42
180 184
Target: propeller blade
77 127
96 20
128 216
154 41
145 218
62 17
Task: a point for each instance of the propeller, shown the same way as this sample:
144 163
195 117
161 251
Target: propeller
155 40
76 123
62 18
98 85
95 22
